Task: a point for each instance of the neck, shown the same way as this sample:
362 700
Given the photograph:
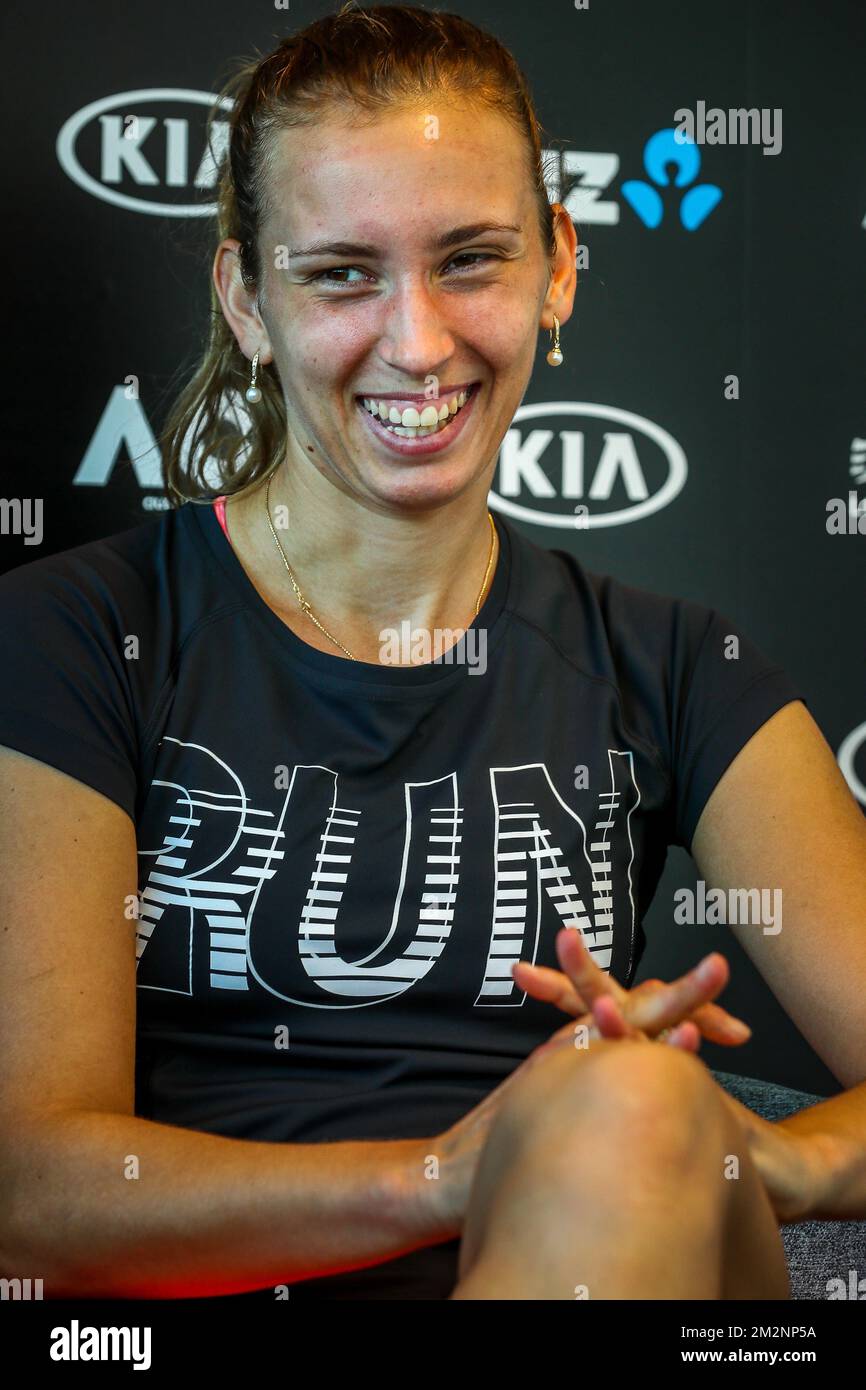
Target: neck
363 570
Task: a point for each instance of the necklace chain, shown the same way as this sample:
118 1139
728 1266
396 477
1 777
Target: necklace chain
304 605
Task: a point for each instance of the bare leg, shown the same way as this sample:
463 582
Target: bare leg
604 1176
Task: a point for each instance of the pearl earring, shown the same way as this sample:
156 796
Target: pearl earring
253 394
554 357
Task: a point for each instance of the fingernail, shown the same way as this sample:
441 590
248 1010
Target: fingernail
738 1026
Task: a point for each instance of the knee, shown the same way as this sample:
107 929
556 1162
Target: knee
651 1097
660 1093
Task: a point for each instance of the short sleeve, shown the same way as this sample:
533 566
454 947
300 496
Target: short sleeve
65 697
724 689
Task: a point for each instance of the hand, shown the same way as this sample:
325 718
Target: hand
792 1166
652 1007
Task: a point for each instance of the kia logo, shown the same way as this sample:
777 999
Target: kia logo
148 150
847 754
566 477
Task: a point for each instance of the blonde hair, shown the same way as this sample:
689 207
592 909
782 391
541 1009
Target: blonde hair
365 60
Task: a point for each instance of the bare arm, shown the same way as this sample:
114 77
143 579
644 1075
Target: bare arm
783 815
205 1214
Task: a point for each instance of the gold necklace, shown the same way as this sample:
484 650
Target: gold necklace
305 607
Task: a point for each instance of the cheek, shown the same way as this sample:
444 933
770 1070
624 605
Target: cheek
502 326
318 342
335 337
314 358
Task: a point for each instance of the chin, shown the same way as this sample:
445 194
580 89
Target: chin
418 487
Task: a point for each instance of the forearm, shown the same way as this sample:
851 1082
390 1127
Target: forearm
838 1127
205 1215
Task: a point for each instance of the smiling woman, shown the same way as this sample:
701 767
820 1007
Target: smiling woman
423 159
300 878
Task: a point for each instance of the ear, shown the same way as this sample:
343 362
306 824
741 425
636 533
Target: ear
240 303
559 298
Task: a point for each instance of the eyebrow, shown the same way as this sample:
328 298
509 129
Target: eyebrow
441 243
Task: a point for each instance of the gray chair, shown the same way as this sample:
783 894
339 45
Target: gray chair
817 1251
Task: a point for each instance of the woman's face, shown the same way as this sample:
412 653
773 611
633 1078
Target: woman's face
394 313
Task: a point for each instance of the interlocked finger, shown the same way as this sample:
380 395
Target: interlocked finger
652 1005
658 1005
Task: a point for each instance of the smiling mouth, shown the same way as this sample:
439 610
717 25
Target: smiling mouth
414 422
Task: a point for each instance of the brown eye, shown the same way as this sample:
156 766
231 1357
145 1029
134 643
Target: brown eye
324 276
472 256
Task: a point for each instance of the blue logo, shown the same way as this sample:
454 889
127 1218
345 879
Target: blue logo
664 148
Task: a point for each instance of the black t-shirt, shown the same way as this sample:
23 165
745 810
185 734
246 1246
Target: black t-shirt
340 861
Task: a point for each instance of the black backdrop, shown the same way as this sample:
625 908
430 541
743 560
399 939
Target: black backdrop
715 494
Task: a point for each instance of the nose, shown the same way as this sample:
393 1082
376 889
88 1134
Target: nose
415 338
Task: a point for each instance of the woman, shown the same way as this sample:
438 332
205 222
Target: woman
337 750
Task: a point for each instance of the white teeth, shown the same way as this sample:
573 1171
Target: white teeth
409 422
